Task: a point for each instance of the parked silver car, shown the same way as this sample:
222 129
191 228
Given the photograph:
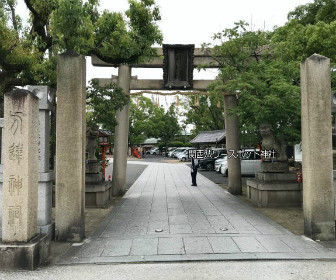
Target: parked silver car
178 150
170 153
184 156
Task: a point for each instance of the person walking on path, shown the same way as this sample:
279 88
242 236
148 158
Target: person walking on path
194 167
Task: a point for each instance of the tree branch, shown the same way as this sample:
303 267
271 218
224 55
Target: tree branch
116 62
213 118
256 56
12 8
39 27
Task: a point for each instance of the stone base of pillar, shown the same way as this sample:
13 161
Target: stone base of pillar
44 216
118 192
48 230
92 167
274 190
24 256
274 167
323 231
98 195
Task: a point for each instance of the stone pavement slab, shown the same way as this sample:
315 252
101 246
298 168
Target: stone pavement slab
223 245
144 246
197 245
117 247
171 246
163 218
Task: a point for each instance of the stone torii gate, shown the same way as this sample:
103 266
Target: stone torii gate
178 62
70 148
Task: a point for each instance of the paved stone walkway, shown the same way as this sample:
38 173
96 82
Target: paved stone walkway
163 218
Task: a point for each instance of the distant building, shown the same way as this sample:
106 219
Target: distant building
149 144
214 138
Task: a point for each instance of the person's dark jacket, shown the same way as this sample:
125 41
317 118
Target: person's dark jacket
194 164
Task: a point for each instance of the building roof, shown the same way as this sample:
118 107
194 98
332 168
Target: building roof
151 141
213 136
184 133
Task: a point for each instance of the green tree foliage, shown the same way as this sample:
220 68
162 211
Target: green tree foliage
128 40
102 103
142 113
262 68
113 37
81 17
311 29
206 115
267 87
16 57
28 53
176 143
312 13
166 124
148 120
295 41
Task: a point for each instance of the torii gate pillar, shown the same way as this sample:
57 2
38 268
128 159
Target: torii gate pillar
121 135
232 143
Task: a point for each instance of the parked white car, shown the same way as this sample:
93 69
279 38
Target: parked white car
249 164
218 163
154 151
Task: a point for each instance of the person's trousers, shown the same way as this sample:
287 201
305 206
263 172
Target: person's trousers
193 177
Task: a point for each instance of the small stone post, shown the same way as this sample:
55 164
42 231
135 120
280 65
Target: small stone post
232 143
121 136
70 147
20 163
317 165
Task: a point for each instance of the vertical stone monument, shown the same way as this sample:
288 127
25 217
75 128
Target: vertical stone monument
20 178
70 147
46 97
45 225
97 190
317 165
21 246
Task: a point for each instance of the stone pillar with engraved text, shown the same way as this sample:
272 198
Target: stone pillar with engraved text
20 160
